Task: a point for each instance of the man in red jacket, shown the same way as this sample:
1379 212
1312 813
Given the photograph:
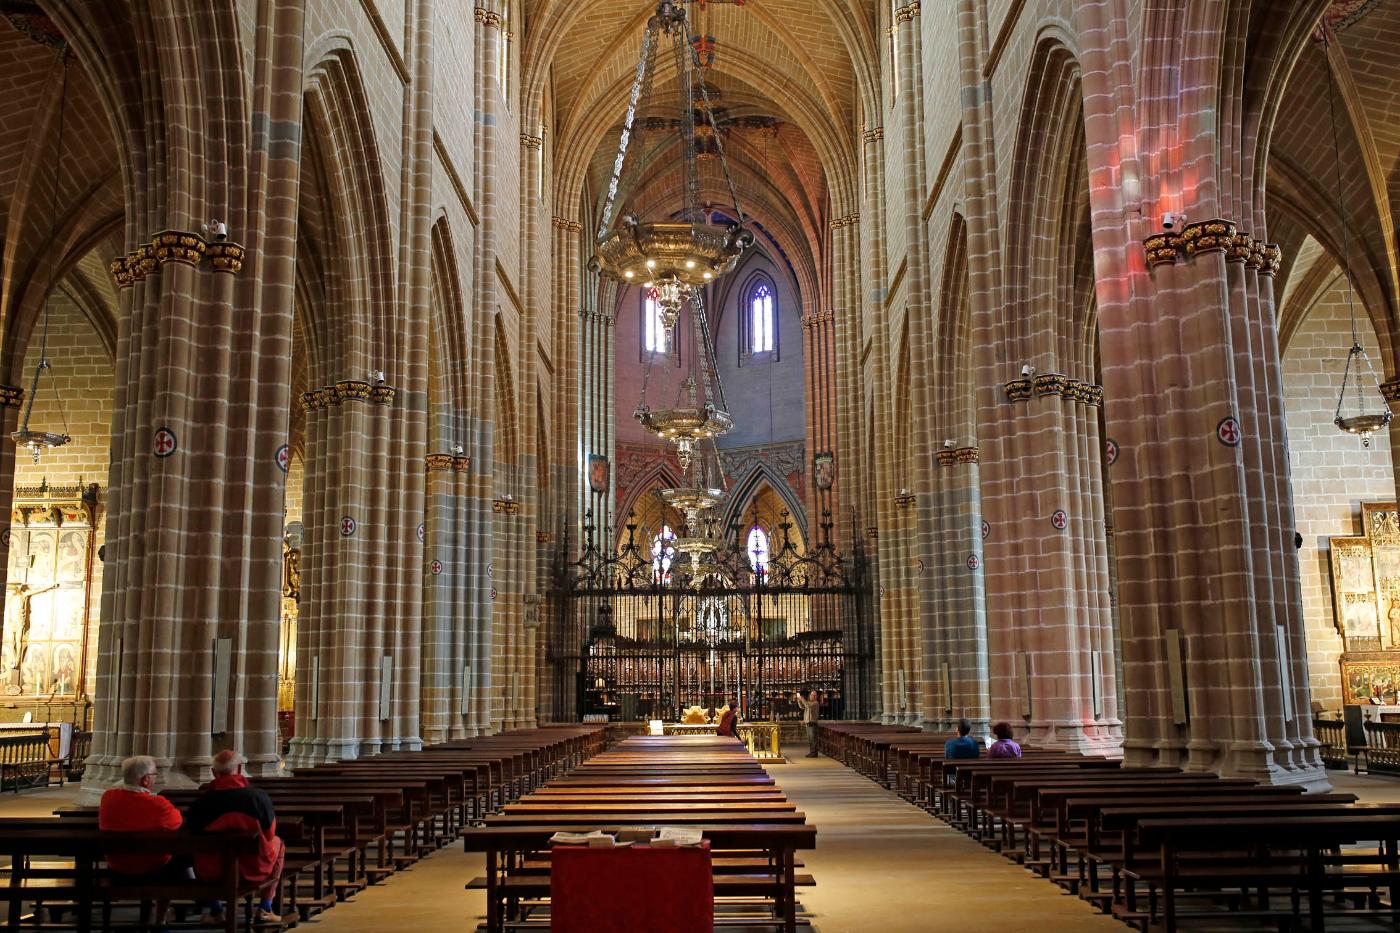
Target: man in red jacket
231 803
136 808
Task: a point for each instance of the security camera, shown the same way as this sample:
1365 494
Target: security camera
216 230
376 377
948 444
1170 220
1027 371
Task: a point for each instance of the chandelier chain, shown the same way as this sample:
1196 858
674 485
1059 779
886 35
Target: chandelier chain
640 82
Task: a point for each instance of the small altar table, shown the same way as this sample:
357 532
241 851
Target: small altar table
762 738
637 887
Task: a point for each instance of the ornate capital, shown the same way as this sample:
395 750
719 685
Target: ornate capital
11 396
818 317
544 537
1241 245
140 262
488 18
318 399
461 464
1050 384
872 135
347 389
563 223
507 506
1208 236
119 272
968 455
437 463
905 13
1162 249
850 220
1390 391
178 246
1017 390
382 394
947 457
225 256
531 142
1271 259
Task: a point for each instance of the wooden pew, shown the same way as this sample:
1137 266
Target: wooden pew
85 884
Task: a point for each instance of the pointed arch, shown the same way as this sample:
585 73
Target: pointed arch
743 494
448 357
658 475
352 224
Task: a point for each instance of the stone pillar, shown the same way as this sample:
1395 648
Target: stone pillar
187 652
877 502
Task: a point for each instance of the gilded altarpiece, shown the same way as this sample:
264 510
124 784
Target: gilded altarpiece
48 592
1366 603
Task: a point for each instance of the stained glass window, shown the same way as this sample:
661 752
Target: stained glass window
758 549
663 549
762 321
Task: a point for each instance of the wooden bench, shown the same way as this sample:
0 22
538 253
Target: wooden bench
713 784
83 883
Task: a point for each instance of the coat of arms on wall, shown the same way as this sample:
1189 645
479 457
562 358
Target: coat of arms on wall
824 470
598 474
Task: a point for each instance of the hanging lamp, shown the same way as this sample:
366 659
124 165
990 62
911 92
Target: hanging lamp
1358 377
36 442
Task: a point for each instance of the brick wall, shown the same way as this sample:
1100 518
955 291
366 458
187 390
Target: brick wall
83 376
1332 473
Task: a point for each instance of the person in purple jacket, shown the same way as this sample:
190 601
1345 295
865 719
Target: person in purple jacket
1005 746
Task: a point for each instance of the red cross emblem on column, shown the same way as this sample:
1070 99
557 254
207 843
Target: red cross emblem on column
1228 431
972 562
435 567
493 592
165 444
1110 451
5 538
986 529
283 458
422 532
1059 519
347 526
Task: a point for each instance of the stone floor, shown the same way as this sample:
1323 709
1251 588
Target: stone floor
880 864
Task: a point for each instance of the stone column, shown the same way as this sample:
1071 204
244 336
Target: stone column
187 650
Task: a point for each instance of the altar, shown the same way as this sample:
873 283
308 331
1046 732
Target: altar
762 738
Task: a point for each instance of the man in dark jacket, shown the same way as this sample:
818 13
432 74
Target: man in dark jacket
231 803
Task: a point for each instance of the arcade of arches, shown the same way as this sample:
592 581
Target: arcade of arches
324 470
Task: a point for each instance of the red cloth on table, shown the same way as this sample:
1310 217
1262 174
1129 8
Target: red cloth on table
631 889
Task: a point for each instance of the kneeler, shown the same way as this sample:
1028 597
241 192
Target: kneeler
630 889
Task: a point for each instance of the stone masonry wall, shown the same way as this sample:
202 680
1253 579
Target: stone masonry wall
83 376
1332 473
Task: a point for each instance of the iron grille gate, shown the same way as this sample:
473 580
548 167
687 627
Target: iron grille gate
640 637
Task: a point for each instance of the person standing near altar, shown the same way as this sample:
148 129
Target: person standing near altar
811 715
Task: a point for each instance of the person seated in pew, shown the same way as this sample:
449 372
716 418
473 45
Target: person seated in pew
135 807
1004 746
728 721
964 746
229 802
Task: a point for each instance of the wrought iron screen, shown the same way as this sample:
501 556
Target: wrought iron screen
641 635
